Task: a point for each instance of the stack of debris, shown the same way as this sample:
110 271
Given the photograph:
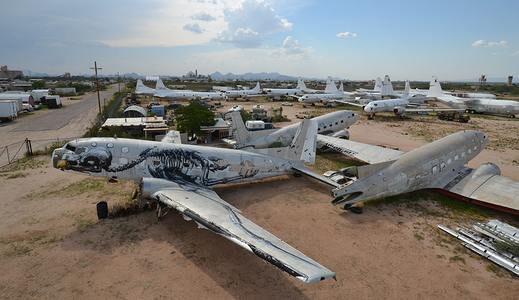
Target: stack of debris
495 240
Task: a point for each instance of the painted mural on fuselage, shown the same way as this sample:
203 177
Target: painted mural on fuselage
135 159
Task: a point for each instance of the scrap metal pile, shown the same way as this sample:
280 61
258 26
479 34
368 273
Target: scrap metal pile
494 240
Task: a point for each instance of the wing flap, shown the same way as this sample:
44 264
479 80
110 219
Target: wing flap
364 152
206 208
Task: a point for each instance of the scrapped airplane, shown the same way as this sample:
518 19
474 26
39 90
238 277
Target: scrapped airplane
161 91
331 93
256 91
334 124
399 106
487 105
440 165
180 177
141 89
277 93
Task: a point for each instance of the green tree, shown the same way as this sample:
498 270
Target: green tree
40 84
189 118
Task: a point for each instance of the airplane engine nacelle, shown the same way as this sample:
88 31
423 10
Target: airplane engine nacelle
150 186
399 110
342 134
487 169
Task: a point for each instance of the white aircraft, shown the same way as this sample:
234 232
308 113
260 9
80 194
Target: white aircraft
330 94
256 91
399 106
181 177
440 165
376 89
277 93
161 91
334 124
508 108
141 89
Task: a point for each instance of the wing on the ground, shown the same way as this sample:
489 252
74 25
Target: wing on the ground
417 110
491 189
364 152
348 103
206 208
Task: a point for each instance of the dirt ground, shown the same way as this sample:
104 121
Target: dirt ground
53 246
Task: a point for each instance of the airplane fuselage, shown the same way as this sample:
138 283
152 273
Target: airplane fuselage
389 105
137 159
431 166
493 106
326 124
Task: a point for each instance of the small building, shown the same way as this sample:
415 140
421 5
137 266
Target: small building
216 132
158 110
135 111
149 125
10 74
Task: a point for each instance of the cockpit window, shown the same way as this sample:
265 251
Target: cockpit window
70 147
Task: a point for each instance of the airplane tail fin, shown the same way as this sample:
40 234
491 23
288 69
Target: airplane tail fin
304 143
240 132
407 89
257 88
301 84
140 84
387 87
435 88
331 88
341 87
378 85
160 85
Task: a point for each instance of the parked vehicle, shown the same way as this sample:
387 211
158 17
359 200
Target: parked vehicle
53 101
8 110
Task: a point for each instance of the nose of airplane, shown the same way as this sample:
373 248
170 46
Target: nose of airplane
57 161
367 108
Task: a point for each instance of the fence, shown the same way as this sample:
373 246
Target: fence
13 152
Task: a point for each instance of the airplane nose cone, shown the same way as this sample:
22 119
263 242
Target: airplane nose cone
367 109
56 157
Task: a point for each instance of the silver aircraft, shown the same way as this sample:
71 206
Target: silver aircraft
181 177
440 165
334 124
141 89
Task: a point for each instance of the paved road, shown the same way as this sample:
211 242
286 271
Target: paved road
59 118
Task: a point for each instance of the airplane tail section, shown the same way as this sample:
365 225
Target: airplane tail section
139 85
301 84
407 89
240 132
160 85
304 143
341 87
435 88
378 85
331 88
257 88
387 87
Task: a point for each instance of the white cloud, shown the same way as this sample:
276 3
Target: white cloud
203 17
346 34
193 27
490 44
291 46
249 24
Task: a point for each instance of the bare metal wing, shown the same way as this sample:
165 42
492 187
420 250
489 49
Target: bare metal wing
489 189
206 208
364 152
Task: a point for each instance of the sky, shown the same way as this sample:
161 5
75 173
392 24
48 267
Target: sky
453 40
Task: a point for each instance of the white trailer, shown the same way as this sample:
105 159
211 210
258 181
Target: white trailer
8 110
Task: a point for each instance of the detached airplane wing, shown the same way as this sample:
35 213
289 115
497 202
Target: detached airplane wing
488 188
208 210
364 152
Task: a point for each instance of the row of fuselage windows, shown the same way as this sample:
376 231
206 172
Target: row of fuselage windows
451 159
323 126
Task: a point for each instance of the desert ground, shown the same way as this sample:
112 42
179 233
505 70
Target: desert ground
53 246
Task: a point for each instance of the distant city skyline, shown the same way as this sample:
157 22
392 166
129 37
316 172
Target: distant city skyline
358 40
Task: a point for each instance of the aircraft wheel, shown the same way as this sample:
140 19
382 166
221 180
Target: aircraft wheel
102 210
511 116
356 210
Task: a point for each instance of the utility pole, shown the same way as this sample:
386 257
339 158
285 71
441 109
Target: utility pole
118 82
95 68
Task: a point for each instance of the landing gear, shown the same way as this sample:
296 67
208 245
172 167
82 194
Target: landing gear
102 210
371 116
162 210
511 116
356 208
